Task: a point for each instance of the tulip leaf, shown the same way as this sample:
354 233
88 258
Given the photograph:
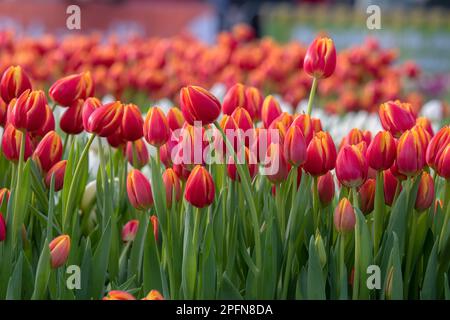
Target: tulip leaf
151 265
15 282
429 288
315 282
100 263
42 273
228 290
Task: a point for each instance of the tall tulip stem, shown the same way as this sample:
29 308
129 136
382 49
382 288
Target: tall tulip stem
378 212
312 93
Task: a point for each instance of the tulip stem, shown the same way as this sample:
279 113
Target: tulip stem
378 212
312 93
316 203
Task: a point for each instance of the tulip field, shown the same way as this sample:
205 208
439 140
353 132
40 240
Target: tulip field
231 197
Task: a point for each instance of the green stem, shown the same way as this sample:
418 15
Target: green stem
316 203
17 215
378 212
312 93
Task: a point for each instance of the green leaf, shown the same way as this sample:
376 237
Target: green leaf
429 289
316 281
15 282
42 273
100 263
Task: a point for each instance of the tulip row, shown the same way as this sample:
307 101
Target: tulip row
176 226
138 68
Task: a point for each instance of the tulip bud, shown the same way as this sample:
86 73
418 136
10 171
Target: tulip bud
276 167
156 127
270 110
129 230
316 124
344 216
426 124
410 153
425 193
155 223
49 151
154 295
200 188
4 196
250 163
138 156
71 121
59 250
396 117
320 248
320 58
58 170
49 124
304 122
172 186
351 166
132 123
119 295
198 104
13 83
235 97
294 146
175 119
139 190
104 120
182 171
320 154
67 90
11 144
242 118
28 112
3 112
165 153
381 151
88 107
2 228
443 163
354 137
437 145
254 100
390 183
367 196
326 188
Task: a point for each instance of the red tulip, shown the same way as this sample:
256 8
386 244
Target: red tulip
351 166
320 154
3 112
88 107
11 144
381 151
13 83
235 97
254 101
367 196
200 188
437 145
425 193
119 295
320 58
182 171
410 153
198 104
49 151
397 117
28 112
426 124
294 146
250 163
443 163
354 137
59 250
130 230
154 295
105 120
276 167
242 118
326 188
139 190
59 171
175 119
139 156
156 127
172 186
270 110
344 216
304 122
49 123
390 183
67 90
132 123
116 140
71 121
316 124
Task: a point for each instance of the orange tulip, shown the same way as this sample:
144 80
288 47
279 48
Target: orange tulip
200 188
49 151
254 101
270 110
59 171
156 127
11 144
59 250
235 97
198 104
13 83
139 190
304 122
175 118
67 90
119 295
172 185
105 120
154 295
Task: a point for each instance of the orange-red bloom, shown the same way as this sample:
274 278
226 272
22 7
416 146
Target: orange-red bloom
270 110
344 216
320 58
326 188
71 121
235 97
132 123
49 151
443 163
154 295
437 146
4 196
397 117
13 83
172 186
58 170
276 167
242 118
175 118
426 124
67 90
129 230
139 190
200 188
105 120
320 154
156 127
250 164
137 153
119 295
155 224
367 196
381 151
198 104
390 183
304 122
351 166
28 112
425 193
59 250
88 107
49 123
254 101
11 144
410 153
294 146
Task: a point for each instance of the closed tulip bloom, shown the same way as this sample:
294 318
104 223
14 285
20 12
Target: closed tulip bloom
354 137
13 83
105 120
156 127
382 151
276 167
129 230
242 118
200 188
443 163
390 183
235 97
426 124
425 193
320 154
270 110
49 123
138 157
28 112
351 166
326 188
367 196
437 145
165 153
320 58
4 196
132 123
182 171
172 185
71 121
198 104
3 112
317 124
254 101
90 104
71 88
344 216
11 144
304 122
154 295
59 171
59 250
294 146
250 163
49 151
155 225
175 118
423 136
410 153
396 117
119 295
139 190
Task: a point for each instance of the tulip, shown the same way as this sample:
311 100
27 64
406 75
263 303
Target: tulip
354 137
182 171
367 196
4 196
276 167
28 112
139 190
443 163
326 188
396 117
59 171
320 154
165 153
320 58
294 146
437 145
11 144
154 295
316 124
137 153
242 118
13 83
344 216
104 120
49 124
175 118
410 153
351 166
198 104
235 97
132 123
254 101
426 124
270 110
172 185
190 146
59 250
67 90
425 193
381 151
119 295
71 121
156 127
3 112
49 151
390 185
304 122
200 188
250 163
129 230
423 136
90 104
155 223
2 228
